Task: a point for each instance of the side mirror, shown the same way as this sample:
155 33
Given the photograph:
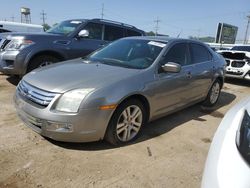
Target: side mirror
171 67
83 33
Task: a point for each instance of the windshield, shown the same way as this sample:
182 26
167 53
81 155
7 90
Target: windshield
65 27
130 53
241 48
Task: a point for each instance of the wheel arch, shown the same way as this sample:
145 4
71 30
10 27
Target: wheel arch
55 54
142 99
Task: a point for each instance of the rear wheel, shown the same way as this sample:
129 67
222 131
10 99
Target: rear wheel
41 61
213 94
126 123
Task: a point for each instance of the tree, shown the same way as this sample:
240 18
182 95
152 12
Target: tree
150 33
46 27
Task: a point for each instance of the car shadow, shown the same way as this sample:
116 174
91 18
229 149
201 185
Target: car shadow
239 82
14 80
160 126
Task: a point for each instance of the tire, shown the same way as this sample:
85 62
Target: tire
41 61
213 94
129 128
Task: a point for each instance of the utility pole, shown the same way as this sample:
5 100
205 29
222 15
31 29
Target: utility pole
246 33
12 18
43 14
102 13
157 21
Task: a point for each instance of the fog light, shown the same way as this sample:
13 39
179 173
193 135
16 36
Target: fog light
60 127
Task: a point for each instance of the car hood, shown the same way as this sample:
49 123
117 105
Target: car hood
31 36
75 74
234 54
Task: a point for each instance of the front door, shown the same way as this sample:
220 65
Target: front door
172 89
83 46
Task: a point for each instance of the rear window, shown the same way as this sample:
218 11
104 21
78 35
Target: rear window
199 53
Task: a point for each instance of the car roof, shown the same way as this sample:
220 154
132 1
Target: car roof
165 39
97 20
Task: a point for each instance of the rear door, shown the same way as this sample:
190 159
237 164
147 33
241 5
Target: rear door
112 33
203 68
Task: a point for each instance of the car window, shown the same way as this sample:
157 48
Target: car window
95 30
113 33
131 33
65 27
129 53
199 53
177 54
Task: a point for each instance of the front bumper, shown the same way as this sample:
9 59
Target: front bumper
12 62
238 72
225 167
87 125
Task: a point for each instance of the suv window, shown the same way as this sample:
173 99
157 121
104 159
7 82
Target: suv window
113 33
199 53
177 54
131 33
95 30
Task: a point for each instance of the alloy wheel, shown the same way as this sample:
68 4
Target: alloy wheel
129 123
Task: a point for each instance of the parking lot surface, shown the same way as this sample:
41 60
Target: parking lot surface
171 151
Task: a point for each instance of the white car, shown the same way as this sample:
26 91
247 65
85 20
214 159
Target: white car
228 161
6 26
238 61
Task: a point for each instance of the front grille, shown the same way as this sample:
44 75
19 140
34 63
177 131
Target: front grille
34 94
4 44
238 64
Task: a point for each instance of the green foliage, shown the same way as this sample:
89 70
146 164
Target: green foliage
46 27
203 39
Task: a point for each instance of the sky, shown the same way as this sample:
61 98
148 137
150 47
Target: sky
177 17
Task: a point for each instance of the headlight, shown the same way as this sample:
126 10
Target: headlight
71 100
243 138
18 44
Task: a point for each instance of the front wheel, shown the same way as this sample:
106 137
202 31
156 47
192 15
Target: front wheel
41 61
213 94
126 123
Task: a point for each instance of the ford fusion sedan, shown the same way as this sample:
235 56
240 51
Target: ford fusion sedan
228 161
115 91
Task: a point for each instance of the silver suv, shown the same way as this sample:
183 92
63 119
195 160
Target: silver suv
112 93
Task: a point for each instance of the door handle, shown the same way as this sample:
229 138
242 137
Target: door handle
189 75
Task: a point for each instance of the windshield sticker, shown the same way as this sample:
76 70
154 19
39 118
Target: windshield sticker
159 44
76 22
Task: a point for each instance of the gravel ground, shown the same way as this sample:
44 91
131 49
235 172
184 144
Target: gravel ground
170 153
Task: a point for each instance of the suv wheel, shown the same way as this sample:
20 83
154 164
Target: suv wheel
126 122
213 94
41 61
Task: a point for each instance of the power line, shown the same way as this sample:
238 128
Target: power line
246 33
102 13
43 14
157 21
